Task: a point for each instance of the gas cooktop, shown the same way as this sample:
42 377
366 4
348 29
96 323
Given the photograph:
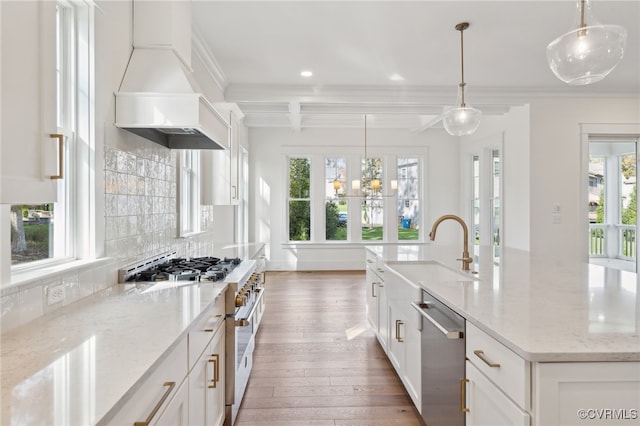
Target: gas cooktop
166 268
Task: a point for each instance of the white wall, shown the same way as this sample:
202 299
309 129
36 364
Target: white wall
556 168
268 192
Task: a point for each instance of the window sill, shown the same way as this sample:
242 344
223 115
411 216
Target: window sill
345 244
32 276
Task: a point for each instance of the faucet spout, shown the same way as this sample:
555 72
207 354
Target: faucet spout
466 259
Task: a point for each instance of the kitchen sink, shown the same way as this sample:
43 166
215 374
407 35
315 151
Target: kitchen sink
430 272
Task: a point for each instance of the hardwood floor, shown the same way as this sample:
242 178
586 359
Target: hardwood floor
316 361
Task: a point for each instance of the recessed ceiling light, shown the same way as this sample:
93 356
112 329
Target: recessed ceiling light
396 77
306 73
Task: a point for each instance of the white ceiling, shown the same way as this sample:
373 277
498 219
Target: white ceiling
353 47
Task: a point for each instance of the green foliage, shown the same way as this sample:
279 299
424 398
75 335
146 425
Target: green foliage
629 214
37 235
299 221
600 208
299 175
299 210
331 226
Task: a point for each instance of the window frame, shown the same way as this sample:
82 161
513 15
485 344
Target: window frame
189 176
75 240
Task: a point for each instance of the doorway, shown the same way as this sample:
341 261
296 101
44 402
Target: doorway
612 201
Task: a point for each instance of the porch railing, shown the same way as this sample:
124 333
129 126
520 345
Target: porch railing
626 238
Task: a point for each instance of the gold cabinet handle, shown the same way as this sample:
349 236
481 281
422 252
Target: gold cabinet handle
216 371
146 422
398 324
463 398
480 354
60 138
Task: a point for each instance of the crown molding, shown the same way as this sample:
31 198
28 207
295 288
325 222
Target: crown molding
211 64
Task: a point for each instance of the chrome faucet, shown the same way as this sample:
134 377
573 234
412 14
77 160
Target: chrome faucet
466 260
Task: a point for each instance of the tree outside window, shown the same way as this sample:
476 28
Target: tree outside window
299 199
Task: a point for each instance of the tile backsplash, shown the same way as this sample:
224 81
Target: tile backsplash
140 219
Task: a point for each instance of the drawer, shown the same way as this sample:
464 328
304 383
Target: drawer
155 392
204 330
510 372
374 263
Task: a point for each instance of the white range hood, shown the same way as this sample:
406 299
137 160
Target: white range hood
158 98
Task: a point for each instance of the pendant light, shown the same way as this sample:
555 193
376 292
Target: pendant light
588 53
461 119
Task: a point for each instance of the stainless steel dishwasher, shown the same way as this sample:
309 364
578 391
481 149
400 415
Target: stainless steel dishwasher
443 363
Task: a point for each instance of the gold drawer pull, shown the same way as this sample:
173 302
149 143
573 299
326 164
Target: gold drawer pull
398 324
480 354
463 401
171 385
216 371
60 138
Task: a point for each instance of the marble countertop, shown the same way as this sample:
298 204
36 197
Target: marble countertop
543 309
74 365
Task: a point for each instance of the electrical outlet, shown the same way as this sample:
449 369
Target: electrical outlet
55 294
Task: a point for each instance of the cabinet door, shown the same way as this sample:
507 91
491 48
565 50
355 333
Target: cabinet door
413 357
28 153
373 283
177 411
215 407
488 405
234 153
221 170
383 319
397 330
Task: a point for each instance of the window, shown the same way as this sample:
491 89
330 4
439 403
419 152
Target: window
189 197
495 201
475 200
43 233
336 205
299 199
345 198
372 200
408 198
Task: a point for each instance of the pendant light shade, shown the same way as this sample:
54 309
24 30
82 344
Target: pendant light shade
461 119
588 53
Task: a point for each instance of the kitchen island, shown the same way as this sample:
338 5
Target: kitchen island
82 363
573 329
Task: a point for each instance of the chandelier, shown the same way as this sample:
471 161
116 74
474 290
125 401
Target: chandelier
372 184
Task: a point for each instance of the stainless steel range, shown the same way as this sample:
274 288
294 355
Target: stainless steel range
244 306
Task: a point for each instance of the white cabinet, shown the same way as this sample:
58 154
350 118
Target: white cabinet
163 25
581 393
187 387
28 153
404 348
177 411
221 169
488 405
206 383
376 297
499 382
155 395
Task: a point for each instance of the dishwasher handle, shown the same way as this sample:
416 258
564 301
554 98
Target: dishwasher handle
421 308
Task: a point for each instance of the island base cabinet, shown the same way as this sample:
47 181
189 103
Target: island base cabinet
586 393
487 404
